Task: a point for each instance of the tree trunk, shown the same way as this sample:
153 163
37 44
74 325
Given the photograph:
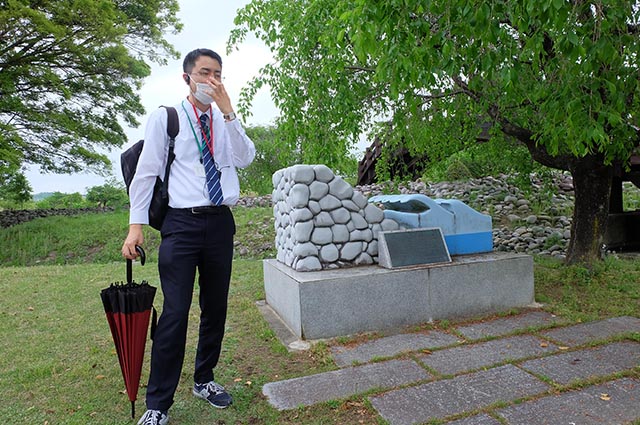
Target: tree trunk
592 188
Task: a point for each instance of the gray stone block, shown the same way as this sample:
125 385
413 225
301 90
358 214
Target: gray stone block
317 190
323 173
301 173
391 346
467 287
440 399
451 361
340 188
299 195
583 364
328 303
476 420
592 331
583 407
342 383
506 325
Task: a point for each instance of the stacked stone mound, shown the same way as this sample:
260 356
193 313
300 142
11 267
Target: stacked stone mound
321 222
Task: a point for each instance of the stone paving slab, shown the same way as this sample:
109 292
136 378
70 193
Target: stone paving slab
439 399
583 364
591 331
506 325
583 407
391 346
308 390
451 361
476 420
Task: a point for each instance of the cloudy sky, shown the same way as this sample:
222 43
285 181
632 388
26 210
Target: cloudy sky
206 24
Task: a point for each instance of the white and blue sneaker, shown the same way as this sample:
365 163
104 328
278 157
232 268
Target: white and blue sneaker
154 417
214 393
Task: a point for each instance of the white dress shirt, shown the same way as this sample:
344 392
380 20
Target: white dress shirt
187 184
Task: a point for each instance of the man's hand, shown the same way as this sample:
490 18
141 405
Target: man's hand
135 237
220 96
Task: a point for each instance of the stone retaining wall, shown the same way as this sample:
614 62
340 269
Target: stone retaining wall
10 218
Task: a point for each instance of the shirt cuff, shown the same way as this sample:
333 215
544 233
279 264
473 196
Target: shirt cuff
138 217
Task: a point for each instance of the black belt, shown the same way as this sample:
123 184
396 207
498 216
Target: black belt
209 209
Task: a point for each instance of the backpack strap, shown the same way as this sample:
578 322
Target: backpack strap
173 127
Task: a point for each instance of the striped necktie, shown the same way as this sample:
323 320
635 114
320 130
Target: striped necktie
211 172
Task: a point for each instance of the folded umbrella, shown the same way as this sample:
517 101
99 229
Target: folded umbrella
128 308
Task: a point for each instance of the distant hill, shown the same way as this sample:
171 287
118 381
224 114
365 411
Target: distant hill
42 195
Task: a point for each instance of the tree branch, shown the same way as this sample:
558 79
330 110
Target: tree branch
359 68
428 97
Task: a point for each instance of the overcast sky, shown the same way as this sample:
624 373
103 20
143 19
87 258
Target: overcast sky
206 24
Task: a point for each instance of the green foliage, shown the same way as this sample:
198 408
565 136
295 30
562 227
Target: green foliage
14 186
324 105
272 154
69 74
560 77
111 194
457 170
494 157
98 237
63 200
609 288
630 197
541 68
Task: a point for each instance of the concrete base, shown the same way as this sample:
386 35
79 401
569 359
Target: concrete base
331 303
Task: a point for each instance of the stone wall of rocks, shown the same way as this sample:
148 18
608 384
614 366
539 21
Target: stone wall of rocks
10 218
533 223
321 222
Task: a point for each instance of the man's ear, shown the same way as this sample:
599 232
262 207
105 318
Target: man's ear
187 79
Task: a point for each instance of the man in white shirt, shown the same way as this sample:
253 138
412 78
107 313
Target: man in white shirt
197 232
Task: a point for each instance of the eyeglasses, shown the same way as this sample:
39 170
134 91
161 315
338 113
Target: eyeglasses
208 74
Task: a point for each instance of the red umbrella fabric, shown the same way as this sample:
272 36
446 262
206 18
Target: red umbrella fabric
128 309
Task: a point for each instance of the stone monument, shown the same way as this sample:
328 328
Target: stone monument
326 282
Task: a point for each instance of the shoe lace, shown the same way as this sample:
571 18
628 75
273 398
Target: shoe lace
152 417
214 388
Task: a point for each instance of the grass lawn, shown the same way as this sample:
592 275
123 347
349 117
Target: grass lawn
58 363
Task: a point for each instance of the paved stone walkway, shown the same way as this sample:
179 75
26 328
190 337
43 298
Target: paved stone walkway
527 369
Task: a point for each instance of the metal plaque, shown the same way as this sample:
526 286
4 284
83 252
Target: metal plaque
402 248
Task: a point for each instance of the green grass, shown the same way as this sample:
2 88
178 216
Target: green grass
58 363
57 359
611 288
97 238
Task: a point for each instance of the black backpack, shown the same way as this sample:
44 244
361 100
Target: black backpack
129 162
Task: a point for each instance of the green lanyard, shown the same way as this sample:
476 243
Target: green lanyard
200 145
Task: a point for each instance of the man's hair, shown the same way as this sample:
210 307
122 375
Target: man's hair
190 60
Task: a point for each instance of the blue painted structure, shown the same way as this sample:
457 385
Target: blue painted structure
465 230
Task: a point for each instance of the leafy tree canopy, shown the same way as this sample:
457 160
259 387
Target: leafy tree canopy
69 72
111 194
15 187
560 76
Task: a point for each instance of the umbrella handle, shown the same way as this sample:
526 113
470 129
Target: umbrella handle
143 258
